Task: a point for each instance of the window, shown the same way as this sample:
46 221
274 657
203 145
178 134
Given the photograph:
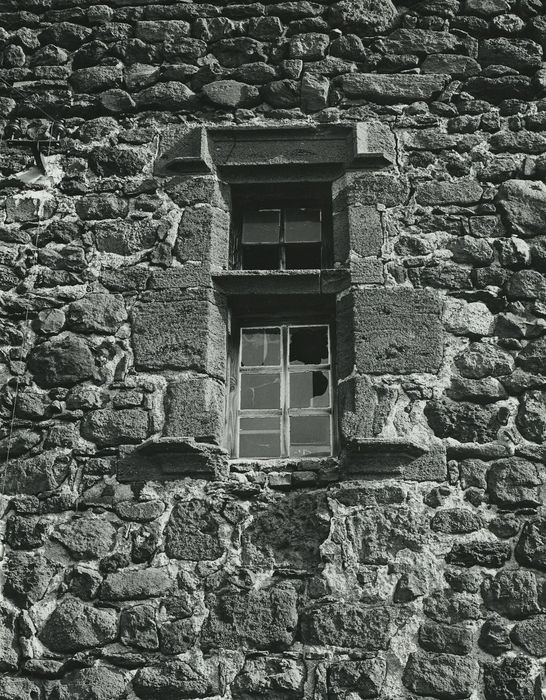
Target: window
283 395
281 227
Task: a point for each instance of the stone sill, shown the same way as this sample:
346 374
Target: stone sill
249 282
379 456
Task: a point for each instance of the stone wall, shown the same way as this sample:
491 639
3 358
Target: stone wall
138 561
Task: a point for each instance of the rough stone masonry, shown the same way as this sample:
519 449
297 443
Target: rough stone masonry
139 560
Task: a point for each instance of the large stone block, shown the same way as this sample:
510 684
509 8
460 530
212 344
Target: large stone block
63 361
394 331
513 594
136 584
260 619
86 538
203 235
515 483
97 313
108 426
194 407
347 624
443 676
288 533
523 203
512 679
28 577
193 532
357 229
358 679
95 683
364 16
171 680
179 330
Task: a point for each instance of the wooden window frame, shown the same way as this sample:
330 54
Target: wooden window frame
284 322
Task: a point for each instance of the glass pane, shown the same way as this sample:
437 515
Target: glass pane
310 435
260 257
303 225
303 256
261 390
260 437
261 226
309 390
261 347
309 345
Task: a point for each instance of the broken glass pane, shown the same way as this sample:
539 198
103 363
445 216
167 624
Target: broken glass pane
261 226
309 390
261 347
309 345
309 436
260 437
303 256
303 225
260 390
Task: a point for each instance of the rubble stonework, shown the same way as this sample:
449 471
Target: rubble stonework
139 562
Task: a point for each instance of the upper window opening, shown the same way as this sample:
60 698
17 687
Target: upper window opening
281 227
284 395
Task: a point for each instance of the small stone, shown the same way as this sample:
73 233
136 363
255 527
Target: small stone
309 47
514 483
361 679
442 675
134 584
74 626
231 93
490 554
495 636
364 16
531 547
138 627
86 538
531 418
97 313
481 360
455 521
445 638
269 677
108 427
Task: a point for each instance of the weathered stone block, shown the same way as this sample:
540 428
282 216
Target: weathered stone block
512 678
135 584
523 204
95 683
358 679
74 626
85 537
260 619
530 635
288 533
533 356
125 237
97 313
395 331
9 652
183 330
171 680
443 676
513 594
269 677
393 88
193 532
138 627
521 54
437 193
203 235
108 426
195 407
446 639
514 483
63 361
490 554
531 418
531 547
366 16
231 94
357 229
465 422
347 624
455 521
28 577
481 360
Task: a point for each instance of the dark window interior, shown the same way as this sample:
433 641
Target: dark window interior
281 226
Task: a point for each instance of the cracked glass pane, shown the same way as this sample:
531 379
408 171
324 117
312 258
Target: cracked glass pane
260 437
261 347
309 436
260 391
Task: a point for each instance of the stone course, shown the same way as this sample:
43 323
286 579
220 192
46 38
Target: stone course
138 562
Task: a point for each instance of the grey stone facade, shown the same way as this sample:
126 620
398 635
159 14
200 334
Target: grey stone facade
139 560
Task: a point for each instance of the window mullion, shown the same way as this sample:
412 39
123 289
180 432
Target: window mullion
282 247
285 428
